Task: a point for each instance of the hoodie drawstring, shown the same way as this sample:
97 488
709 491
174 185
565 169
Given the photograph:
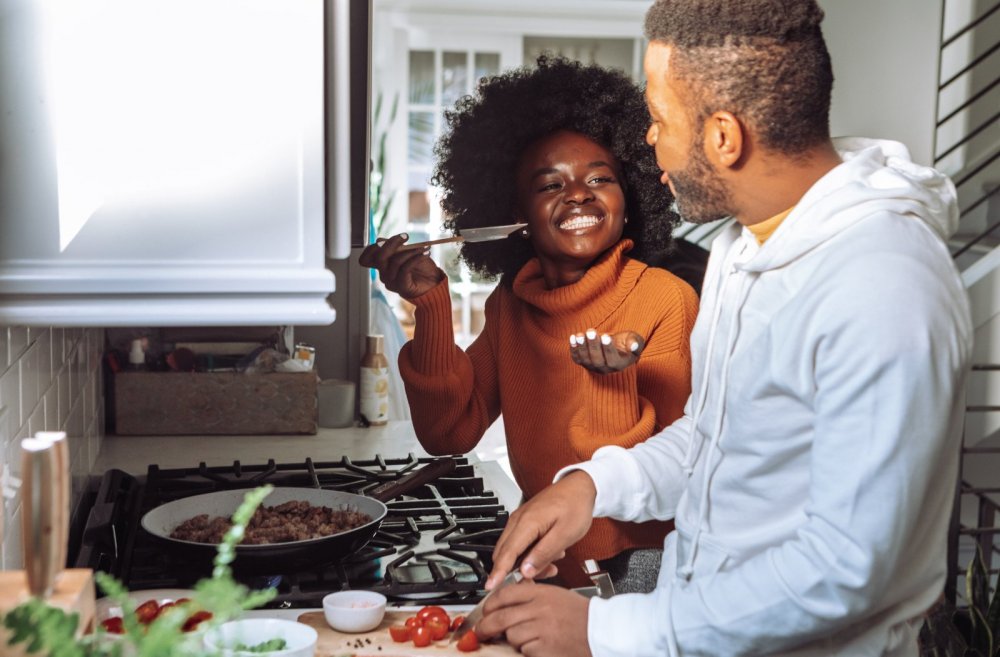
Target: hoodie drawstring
687 569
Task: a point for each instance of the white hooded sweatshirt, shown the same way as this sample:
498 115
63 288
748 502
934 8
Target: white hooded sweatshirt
813 472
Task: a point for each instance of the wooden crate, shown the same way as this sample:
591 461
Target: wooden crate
214 403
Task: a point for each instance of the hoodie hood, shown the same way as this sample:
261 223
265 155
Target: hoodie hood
875 175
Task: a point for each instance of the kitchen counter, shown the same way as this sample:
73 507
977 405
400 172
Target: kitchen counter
134 454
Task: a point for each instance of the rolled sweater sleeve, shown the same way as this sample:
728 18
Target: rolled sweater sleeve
452 393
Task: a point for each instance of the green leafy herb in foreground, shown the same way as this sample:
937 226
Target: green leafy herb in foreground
263 646
43 630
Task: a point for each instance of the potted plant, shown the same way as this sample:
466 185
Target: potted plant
38 629
970 632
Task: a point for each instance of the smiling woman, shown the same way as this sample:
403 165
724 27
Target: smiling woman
583 346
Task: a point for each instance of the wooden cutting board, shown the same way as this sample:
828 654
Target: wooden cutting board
332 643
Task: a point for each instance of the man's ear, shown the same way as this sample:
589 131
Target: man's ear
724 139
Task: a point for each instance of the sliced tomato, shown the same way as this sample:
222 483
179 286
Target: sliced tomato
194 619
427 613
399 633
456 622
180 601
113 625
468 642
438 627
421 637
147 611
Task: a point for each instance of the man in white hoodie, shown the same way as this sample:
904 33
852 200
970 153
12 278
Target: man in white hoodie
812 475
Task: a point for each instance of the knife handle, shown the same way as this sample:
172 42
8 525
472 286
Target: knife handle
39 511
436 468
64 487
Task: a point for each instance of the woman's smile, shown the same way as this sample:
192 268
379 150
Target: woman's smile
579 224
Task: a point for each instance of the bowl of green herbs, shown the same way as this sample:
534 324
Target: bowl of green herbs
270 637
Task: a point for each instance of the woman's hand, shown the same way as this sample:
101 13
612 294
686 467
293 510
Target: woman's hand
408 273
605 353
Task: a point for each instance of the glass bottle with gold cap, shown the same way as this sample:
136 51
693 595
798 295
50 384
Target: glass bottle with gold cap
374 388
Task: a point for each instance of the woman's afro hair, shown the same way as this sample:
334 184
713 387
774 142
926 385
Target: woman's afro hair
486 133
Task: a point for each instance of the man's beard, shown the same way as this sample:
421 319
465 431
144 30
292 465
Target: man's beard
700 194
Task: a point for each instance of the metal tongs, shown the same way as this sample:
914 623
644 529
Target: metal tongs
600 578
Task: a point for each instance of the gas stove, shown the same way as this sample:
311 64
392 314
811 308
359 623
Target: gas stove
434 546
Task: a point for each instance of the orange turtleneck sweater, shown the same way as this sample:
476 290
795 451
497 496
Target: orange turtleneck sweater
555 412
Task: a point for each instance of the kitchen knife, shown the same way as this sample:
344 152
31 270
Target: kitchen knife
470 235
40 516
476 615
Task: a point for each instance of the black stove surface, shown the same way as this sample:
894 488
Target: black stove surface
434 545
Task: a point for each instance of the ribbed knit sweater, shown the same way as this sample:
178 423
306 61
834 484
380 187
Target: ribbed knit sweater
555 412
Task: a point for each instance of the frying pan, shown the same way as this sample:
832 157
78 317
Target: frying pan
274 558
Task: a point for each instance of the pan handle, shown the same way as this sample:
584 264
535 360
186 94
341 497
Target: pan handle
436 468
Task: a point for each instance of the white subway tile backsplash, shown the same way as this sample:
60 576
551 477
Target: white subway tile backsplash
4 349
12 552
18 336
10 393
50 380
51 400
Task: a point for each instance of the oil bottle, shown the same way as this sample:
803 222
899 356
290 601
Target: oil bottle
374 388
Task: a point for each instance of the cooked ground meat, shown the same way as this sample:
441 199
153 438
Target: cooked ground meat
291 521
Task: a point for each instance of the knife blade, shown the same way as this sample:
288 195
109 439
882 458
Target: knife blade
476 615
470 235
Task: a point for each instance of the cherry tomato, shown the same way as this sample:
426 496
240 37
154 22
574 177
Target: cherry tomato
438 627
399 633
147 611
421 637
427 613
194 619
469 642
455 622
113 625
413 622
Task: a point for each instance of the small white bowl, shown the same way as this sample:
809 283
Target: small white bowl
354 611
300 638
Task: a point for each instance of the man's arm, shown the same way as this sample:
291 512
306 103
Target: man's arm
889 381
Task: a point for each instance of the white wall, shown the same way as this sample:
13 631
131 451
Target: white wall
50 380
885 65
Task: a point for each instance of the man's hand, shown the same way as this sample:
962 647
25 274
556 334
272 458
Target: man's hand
538 619
605 353
551 521
409 273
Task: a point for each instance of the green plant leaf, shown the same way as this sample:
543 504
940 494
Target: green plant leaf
993 619
50 631
977 591
940 636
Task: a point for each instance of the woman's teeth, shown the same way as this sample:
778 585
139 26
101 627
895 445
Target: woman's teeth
578 223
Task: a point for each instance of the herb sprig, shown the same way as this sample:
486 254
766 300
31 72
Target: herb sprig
43 630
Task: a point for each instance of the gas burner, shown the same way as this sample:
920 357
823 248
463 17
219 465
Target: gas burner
435 543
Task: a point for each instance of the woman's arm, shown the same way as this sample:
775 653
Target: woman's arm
453 394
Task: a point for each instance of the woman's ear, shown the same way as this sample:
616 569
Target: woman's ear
724 139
